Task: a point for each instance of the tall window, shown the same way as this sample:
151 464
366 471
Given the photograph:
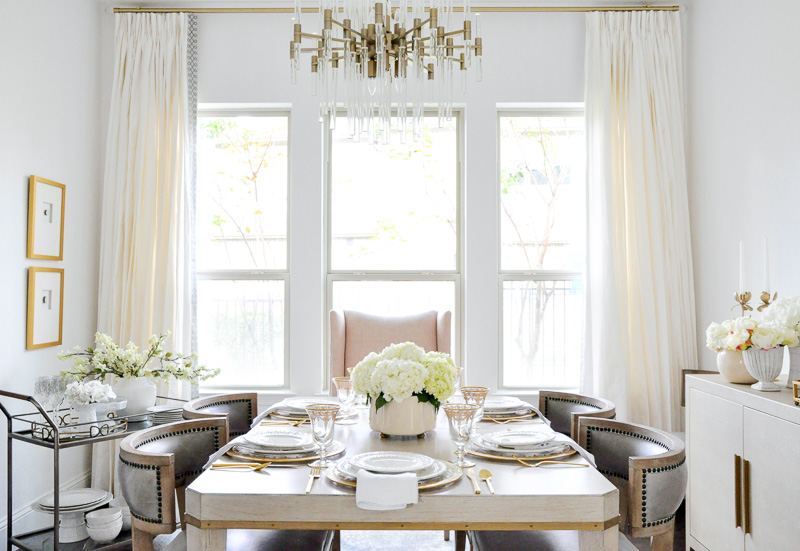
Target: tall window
394 223
541 247
241 226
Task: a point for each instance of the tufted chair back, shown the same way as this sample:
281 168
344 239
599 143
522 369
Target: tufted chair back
563 409
239 409
154 462
356 334
649 468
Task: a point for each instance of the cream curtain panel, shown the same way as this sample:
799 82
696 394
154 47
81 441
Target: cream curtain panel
145 273
640 323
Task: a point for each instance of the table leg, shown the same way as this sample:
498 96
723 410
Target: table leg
205 540
607 540
461 540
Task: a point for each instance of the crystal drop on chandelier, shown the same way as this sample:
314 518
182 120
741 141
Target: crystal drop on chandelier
392 56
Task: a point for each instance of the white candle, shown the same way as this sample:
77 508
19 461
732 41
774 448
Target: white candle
741 267
766 265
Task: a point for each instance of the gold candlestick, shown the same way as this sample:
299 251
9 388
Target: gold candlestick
742 300
766 300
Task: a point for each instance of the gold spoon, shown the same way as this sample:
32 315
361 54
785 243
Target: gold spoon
486 476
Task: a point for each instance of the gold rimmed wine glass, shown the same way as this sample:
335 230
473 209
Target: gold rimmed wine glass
460 418
475 395
323 421
347 397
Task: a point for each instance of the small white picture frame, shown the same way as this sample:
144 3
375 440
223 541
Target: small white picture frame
45 307
46 219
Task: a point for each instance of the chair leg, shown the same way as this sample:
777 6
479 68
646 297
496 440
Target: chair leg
337 541
461 540
180 493
663 542
142 541
447 535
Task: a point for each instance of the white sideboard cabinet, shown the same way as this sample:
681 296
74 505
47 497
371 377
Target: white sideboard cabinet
743 452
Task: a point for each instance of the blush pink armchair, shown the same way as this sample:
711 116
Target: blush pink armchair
356 334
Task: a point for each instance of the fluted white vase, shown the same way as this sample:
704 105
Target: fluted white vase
765 366
794 366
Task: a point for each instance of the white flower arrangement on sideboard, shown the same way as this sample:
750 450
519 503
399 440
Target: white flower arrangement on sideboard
88 392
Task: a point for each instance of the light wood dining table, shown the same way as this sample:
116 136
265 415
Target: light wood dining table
550 497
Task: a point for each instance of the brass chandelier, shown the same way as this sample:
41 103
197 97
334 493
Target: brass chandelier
386 52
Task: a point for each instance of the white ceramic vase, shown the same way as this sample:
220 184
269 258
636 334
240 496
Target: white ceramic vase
407 418
794 365
731 366
764 365
87 417
140 393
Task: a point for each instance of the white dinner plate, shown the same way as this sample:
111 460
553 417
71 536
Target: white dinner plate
347 470
280 439
335 448
548 448
516 439
502 403
165 409
78 498
299 404
391 462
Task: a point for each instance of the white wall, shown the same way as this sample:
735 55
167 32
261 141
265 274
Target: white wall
743 61
49 92
242 59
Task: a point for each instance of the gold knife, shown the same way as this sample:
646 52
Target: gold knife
471 476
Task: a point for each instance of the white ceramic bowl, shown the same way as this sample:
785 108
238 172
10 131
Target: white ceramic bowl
107 533
103 517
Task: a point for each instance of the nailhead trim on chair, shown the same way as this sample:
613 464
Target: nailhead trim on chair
157 469
569 401
644 492
623 476
226 402
180 432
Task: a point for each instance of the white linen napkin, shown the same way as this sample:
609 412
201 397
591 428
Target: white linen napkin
223 450
386 492
539 413
260 416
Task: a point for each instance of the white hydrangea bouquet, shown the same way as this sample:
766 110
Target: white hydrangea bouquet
88 392
108 358
784 312
743 333
404 370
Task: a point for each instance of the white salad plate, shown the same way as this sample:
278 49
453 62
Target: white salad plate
391 462
502 403
345 469
277 439
516 439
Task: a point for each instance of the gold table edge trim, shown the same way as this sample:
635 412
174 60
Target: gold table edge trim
347 525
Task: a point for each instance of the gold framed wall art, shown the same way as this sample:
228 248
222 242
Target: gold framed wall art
45 307
46 219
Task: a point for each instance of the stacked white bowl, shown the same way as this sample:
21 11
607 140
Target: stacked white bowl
126 511
104 525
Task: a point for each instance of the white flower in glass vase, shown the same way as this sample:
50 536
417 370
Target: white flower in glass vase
88 392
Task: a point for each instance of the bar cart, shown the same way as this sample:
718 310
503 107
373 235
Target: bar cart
57 433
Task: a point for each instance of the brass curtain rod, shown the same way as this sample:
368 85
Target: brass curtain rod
481 9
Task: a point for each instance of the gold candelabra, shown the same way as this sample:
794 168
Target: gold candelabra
743 300
766 301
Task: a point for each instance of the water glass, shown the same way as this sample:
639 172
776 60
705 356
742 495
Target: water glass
460 418
475 395
347 397
323 420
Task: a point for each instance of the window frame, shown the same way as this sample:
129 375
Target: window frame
265 274
576 109
455 275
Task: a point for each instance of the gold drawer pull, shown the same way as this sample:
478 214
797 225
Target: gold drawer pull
737 467
746 477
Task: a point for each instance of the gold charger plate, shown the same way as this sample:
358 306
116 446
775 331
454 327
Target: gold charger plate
263 459
485 455
451 475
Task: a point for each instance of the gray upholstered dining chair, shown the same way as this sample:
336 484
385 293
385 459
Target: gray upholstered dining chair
239 409
356 334
563 409
156 465
647 466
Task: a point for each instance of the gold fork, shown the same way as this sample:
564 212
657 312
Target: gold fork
547 461
315 472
